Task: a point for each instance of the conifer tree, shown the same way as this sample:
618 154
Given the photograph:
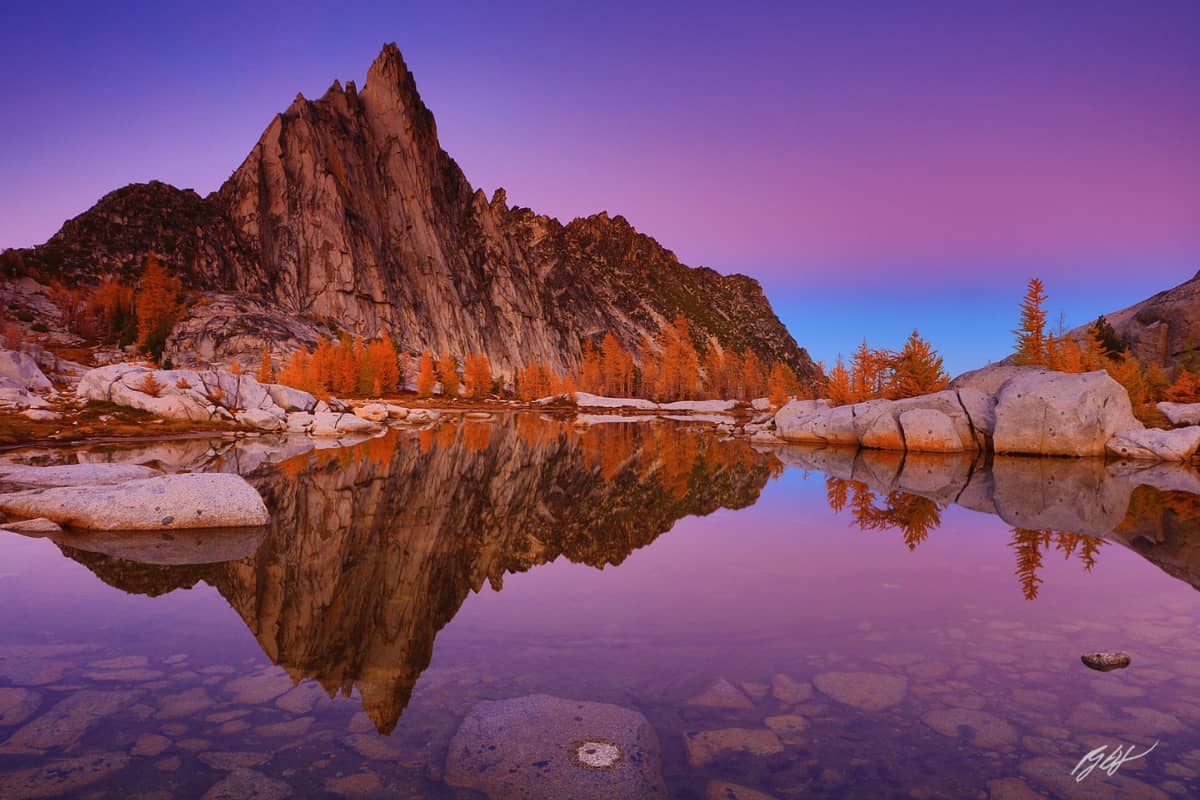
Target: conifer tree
917 369
157 306
448 373
477 375
591 372
1031 335
839 389
426 377
782 384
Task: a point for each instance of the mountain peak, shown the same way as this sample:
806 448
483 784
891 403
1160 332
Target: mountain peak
389 66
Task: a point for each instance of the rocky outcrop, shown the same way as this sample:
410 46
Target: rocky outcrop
1156 445
22 382
167 502
204 396
348 210
1160 329
1033 411
1181 413
938 422
1057 414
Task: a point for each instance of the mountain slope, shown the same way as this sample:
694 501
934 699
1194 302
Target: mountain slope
1161 328
347 212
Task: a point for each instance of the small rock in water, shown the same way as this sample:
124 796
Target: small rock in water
1105 662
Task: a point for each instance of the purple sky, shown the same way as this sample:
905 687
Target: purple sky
877 168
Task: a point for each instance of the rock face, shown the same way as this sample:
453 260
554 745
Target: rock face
1160 329
168 502
348 209
1056 414
938 422
547 747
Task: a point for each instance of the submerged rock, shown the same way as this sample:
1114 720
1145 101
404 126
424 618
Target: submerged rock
168 502
869 691
722 694
60 777
706 746
1106 662
540 746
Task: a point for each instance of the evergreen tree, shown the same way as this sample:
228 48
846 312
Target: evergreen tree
917 369
1031 335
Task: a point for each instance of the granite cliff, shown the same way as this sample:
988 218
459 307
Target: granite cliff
348 215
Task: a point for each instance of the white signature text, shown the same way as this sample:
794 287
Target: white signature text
1107 761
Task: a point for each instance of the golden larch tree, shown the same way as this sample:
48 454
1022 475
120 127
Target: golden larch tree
426 377
782 385
156 305
448 373
477 375
917 369
1031 335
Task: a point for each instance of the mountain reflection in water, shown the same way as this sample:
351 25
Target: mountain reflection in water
374 548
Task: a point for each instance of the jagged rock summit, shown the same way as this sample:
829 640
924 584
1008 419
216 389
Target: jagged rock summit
348 214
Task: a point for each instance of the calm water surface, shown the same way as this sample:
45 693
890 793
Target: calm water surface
792 623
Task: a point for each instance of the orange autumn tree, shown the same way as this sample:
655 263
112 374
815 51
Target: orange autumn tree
448 373
426 377
591 369
1031 335
782 384
379 371
157 306
917 369
616 367
477 376
111 311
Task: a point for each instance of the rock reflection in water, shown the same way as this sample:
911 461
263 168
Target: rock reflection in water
1072 507
373 549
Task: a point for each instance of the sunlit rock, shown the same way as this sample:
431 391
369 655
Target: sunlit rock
334 424
1152 444
822 425
927 430
1054 413
372 412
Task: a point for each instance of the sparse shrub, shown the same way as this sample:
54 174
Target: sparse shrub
151 385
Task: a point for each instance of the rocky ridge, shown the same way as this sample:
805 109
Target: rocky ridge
348 212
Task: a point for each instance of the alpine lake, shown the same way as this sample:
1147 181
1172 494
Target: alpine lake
523 608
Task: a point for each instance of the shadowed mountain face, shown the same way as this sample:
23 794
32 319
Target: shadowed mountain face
373 549
348 209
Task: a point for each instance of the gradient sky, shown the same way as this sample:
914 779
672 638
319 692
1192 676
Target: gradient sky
877 165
